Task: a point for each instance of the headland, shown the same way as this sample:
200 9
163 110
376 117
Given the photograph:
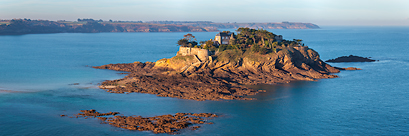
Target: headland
28 26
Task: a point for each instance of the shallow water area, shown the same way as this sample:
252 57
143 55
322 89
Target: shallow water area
38 73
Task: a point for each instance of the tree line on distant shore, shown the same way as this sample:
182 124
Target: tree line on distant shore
28 26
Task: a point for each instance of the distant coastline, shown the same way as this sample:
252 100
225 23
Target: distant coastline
28 26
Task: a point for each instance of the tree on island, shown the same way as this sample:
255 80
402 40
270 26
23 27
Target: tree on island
183 42
209 45
298 41
188 41
189 37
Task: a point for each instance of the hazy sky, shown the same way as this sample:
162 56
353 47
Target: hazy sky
321 12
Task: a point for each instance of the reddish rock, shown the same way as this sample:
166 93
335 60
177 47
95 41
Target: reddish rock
93 113
348 68
157 124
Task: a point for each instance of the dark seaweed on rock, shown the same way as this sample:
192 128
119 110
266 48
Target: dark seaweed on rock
351 58
157 124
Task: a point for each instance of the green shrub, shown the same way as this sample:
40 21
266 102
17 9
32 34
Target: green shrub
224 47
263 50
255 48
274 50
183 58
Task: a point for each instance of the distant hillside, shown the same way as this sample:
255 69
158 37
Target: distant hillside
213 25
27 26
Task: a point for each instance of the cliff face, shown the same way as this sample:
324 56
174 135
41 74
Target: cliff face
286 65
222 76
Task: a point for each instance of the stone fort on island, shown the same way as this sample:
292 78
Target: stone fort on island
204 54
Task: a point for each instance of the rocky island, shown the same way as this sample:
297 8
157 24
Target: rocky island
158 124
222 67
350 58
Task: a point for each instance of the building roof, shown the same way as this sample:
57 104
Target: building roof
222 34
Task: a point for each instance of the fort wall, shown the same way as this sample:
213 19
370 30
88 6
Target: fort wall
202 54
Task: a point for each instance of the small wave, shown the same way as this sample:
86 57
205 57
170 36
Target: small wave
272 99
383 61
9 91
393 60
86 86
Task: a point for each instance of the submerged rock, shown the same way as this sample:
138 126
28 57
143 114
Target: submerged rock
348 68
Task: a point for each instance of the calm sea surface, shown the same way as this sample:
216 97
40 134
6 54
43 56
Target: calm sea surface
36 70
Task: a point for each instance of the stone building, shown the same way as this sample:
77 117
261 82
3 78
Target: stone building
201 54
222 38
278 38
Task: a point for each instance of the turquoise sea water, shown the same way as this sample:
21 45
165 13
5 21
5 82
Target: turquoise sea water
36 70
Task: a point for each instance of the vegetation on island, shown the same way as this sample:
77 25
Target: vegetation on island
188 41
245 43
256 40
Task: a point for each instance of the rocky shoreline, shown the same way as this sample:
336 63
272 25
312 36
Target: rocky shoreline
185 77
348 68
158 124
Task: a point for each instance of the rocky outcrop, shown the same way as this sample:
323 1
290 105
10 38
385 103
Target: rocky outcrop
93 113
350 58
222 76
157 124
348 68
